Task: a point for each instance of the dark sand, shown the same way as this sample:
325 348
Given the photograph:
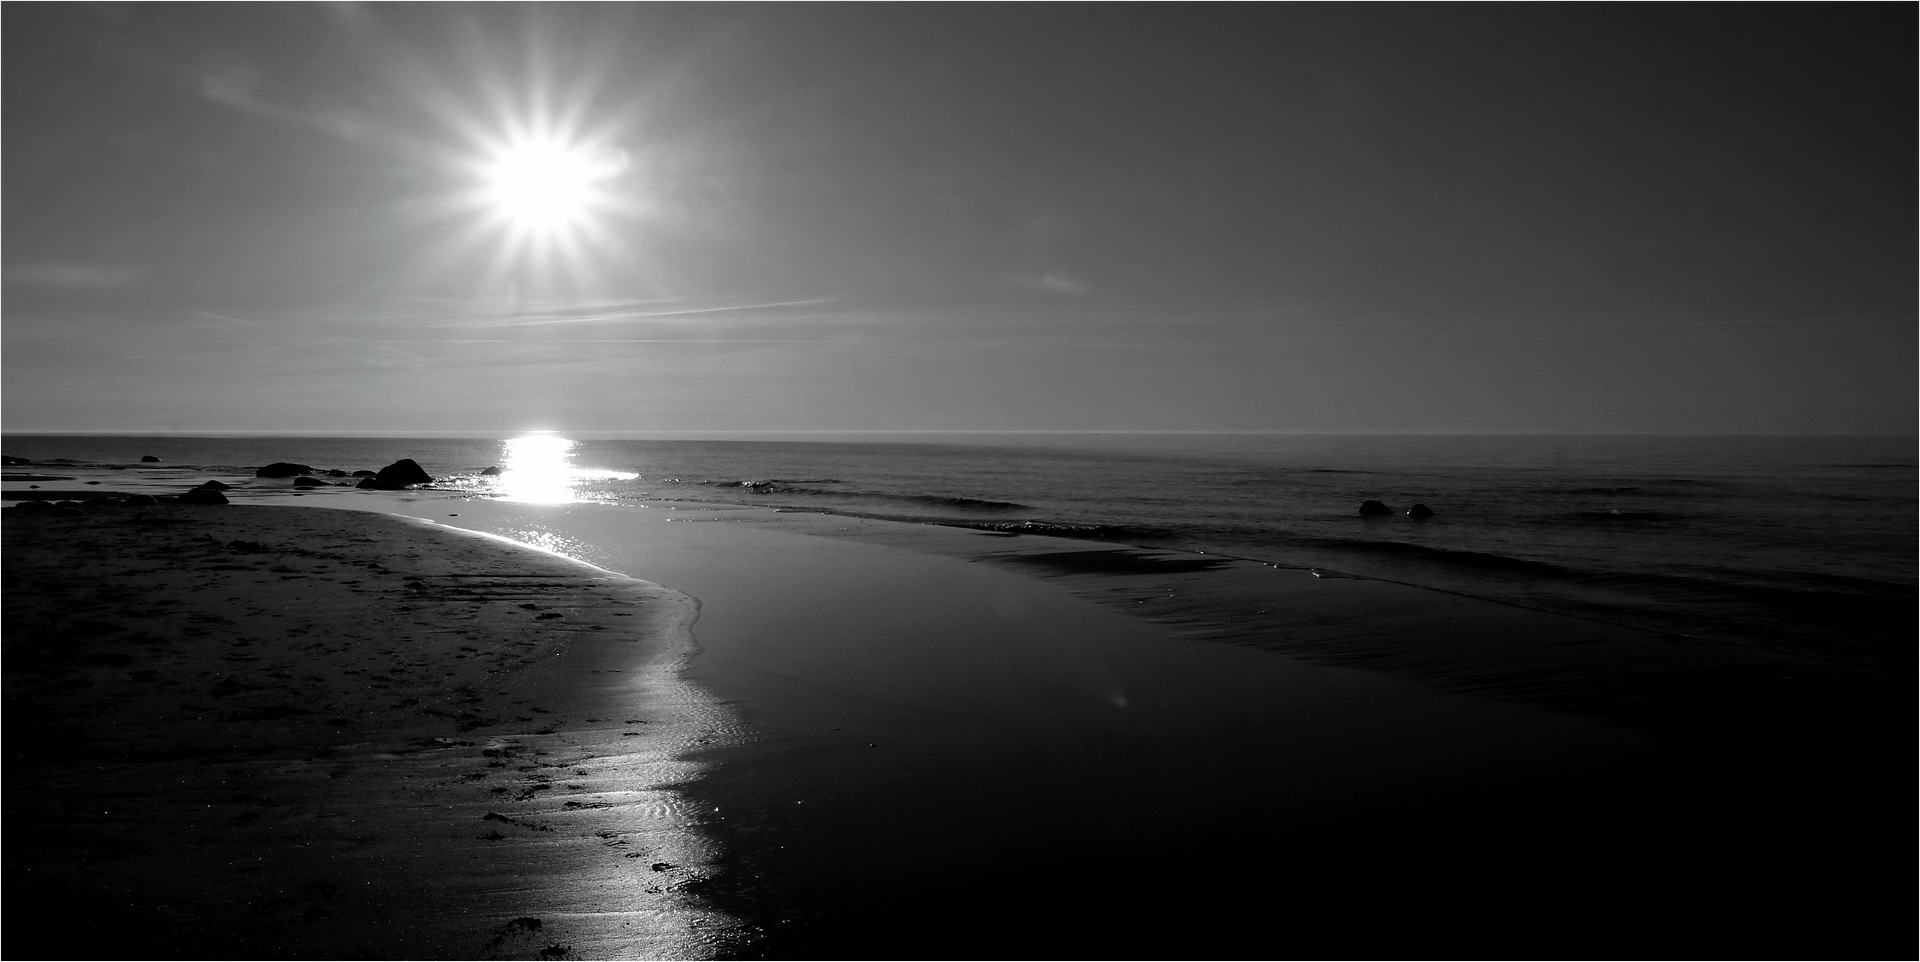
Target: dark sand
272 732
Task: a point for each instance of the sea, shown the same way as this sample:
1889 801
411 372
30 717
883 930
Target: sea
1804 544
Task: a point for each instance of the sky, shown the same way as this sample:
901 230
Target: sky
425 218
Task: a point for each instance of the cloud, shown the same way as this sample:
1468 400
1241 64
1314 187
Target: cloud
234 85
1055 282
76 277
639 311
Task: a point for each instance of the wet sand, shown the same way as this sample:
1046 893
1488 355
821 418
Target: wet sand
952 759
895 741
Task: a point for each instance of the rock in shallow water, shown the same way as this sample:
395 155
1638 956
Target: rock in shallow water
401 473
1420 512
282 469
1374 509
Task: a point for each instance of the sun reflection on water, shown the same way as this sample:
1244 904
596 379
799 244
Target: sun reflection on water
539 469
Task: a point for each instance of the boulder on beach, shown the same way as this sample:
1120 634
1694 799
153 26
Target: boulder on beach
9 460
363 474
149 459
336 473
367 483
1374 509
489 472
32 507
215 485
203 496
401 473
1420 511
140 500
282 469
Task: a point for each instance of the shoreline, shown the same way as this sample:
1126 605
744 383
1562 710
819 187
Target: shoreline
868 782
983 759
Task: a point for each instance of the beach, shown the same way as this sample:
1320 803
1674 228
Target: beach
776 481
876 740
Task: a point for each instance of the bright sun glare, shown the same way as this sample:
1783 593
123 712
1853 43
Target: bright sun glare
539 469
544 186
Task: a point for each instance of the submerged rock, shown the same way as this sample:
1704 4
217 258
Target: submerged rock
1374 509
1420 511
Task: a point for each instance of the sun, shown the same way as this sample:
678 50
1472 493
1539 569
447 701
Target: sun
548 186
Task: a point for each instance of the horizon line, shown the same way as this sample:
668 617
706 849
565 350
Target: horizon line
641 435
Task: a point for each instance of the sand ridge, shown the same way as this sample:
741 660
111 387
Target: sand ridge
319 723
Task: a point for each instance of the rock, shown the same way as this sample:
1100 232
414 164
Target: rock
309 483
1420 512
282 469
367 483
61 511
149 459
401 473
363 474
1374 509
9 460
215 485
140 500
489 472
32 507
336 473
203 496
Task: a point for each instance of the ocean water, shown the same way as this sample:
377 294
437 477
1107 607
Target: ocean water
1800 543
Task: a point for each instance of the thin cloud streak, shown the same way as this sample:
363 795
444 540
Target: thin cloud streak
70 276
541 319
